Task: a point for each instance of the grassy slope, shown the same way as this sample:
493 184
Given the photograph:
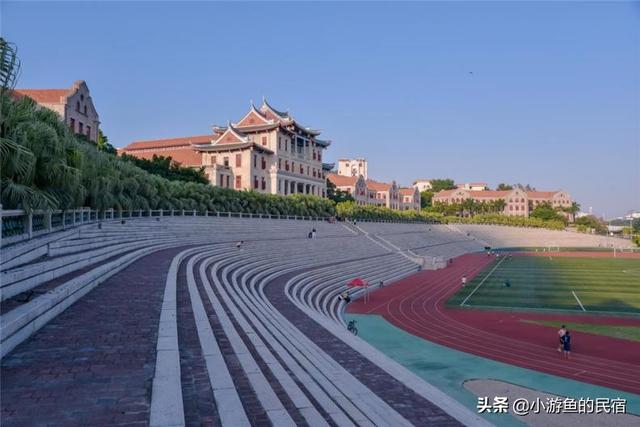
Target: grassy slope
606 284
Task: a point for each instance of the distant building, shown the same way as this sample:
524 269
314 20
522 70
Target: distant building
473 186
74 106
370 192
632 215
518 202
353 167
266 151
386 194
422 184
409 199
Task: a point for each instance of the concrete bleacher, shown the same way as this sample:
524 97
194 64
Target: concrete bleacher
516 237
269 341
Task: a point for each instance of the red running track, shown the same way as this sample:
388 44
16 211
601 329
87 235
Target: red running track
416 305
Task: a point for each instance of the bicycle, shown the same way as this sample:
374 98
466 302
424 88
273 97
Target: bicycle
351 327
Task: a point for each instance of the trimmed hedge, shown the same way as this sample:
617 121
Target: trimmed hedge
351 210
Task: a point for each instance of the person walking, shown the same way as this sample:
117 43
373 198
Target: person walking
561 332
313 233
239 244
566 345
464 281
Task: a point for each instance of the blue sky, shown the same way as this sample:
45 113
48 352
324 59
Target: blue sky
554 98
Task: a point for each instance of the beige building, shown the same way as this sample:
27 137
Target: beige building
409 198
473 186
352 178
353 167
386 194
355 186
266 151
518 202
422 184
370 192
74 106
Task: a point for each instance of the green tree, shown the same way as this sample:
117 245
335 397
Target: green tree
337 195
426 197
438 184
572 210
166 168
590 222
103 143
504 187
442 184
546 212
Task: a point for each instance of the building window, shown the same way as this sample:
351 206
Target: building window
301 170
225 161
314 154
264 162
228 185
85 110
255 161
280 143
286 165
293 166
319 158
238 160
264 184
255 181
238 182
80 127
308 171
88 131
72 124
78 106
279 164
264 140
213 160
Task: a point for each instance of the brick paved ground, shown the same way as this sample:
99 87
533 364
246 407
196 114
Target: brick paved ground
94 363
405 401
197 395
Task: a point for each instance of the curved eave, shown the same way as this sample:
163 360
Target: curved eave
322 143
256 128
231 147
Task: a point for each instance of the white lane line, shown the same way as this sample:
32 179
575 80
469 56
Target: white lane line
482 281
576 297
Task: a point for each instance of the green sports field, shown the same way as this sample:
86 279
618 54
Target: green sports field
590 285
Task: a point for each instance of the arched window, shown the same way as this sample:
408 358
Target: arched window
78 106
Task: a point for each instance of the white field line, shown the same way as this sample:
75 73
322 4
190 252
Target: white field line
482 281
576 296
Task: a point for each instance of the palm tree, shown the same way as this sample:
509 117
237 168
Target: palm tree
573 210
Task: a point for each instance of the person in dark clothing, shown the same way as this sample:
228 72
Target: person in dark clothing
566 345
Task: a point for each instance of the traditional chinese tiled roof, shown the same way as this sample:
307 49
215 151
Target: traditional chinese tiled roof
184 156
170 142
231 147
